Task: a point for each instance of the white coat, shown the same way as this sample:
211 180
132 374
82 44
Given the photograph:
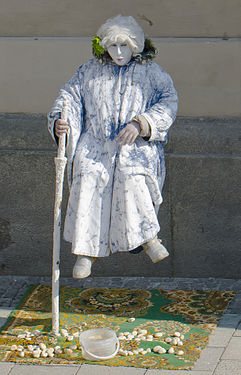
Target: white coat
114 189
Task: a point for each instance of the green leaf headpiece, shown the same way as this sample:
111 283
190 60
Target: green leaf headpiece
96 46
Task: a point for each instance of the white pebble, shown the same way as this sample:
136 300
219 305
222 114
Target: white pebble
162 351
42 346
44 354
143 331
158 334
70 338
168 339
131 320
135 351
182 337
50 351
174 342
148 350
171 350
122 338
21 354
180 343
177 334
180 352
21 336
134 333
149 338
64 332
19 348
156 348
126 333
76 334
14 347
73 347
142 337
36 354
130 352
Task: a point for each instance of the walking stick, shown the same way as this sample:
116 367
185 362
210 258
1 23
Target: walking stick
60 163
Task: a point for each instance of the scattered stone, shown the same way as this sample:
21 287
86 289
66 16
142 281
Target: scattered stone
180 343
180 352
177 334
131 320
158 334
42 346
161 351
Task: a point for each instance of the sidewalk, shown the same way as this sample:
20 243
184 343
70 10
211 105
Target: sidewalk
222 356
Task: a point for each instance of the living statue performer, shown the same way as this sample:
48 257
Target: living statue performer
120 108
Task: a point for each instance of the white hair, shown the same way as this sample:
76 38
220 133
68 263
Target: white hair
122 29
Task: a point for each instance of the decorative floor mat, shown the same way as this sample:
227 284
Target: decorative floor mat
156 328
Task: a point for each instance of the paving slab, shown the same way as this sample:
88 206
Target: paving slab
5 368
228 368
177 372
5 312
108 370
238 330
233 350
221 336
209 359
44 370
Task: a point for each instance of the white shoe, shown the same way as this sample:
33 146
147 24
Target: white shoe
155 250
82 267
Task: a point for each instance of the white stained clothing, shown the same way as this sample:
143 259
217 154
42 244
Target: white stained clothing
114 189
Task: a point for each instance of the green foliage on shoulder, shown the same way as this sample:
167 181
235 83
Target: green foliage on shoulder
96 46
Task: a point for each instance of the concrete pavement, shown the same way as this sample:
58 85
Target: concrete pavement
222 356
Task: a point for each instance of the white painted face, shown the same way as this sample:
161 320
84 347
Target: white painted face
120 53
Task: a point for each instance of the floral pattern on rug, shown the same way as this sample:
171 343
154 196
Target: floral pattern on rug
193 314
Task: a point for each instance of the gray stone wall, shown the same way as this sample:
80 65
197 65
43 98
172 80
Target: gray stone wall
200 216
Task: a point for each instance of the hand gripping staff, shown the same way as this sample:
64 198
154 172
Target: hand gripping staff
60 163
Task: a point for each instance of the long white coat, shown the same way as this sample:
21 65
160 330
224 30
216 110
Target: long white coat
114 189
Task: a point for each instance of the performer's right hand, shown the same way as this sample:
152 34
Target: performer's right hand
61 127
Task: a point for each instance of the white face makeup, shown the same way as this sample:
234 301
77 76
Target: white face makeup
120 53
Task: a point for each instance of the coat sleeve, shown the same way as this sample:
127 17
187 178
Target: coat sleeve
69 93
162 109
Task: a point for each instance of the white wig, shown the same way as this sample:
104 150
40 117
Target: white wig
122 29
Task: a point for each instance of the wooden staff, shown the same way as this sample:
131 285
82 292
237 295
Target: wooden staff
60 163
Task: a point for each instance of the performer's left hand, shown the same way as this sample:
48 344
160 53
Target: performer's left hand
128 135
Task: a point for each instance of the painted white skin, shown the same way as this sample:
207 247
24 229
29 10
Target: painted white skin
120 53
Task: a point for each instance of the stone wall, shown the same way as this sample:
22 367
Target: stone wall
200 216
198 42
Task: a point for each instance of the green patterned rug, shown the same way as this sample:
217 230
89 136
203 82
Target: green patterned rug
157 328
